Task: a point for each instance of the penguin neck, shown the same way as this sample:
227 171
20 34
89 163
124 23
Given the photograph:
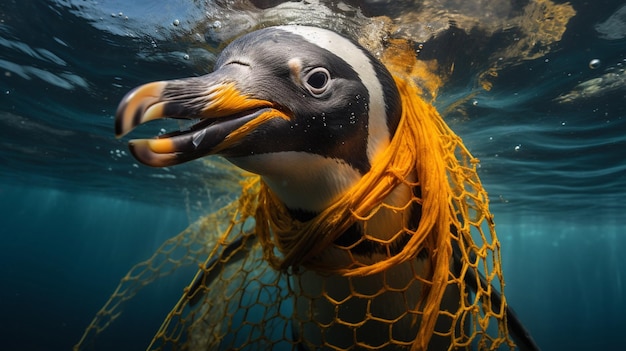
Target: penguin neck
305 183
308 183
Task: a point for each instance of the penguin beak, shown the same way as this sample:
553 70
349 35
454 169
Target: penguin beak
225 114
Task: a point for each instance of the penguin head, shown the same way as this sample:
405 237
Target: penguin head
305 108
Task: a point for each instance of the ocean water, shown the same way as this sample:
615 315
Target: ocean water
77 211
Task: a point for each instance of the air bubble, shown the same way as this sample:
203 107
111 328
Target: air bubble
176 22
186 56
595 63
419 49
518 147
352 118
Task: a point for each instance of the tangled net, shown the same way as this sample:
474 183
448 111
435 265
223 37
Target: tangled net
254 290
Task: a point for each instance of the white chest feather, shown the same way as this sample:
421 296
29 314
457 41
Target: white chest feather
302 181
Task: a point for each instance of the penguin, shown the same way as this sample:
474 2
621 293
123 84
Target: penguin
309 111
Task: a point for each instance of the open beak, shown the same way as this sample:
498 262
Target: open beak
225 116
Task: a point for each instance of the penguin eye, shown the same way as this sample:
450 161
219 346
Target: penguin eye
317 81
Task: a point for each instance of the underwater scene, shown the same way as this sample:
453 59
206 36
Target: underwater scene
101 241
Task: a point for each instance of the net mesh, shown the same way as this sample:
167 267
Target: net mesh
269 281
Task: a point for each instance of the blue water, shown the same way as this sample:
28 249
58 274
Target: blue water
77 211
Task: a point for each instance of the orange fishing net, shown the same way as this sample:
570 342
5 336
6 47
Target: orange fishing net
262 286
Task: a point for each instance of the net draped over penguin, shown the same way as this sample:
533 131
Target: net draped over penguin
369 219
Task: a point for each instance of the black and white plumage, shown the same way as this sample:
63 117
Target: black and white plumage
342 103
337 109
